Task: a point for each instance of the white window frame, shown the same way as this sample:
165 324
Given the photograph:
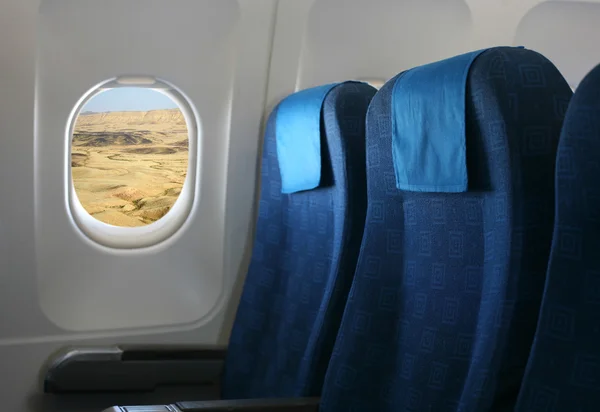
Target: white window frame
117 237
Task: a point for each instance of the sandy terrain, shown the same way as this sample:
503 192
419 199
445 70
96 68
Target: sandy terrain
129 167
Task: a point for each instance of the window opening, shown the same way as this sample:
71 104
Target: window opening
132 161
129 155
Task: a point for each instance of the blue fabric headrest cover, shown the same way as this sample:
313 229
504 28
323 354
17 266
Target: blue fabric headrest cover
298 138
428 126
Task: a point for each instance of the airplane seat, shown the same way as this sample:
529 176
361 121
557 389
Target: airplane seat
444 302
563 372
306 245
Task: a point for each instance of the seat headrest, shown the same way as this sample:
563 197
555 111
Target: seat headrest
429 126
298 138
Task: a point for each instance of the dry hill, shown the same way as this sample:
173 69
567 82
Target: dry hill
129 167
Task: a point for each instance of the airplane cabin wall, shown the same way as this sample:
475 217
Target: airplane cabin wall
272 49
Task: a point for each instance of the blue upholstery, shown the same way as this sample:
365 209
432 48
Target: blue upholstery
444 303
303 261
428 126
298 137
563 373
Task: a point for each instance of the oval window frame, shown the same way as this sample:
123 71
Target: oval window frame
118 237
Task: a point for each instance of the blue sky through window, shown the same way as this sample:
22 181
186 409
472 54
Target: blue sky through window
126 99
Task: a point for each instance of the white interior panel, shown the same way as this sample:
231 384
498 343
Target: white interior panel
320 41
83 286
17 282
217 52
354 39
567 32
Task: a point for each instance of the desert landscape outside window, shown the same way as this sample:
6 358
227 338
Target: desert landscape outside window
129 156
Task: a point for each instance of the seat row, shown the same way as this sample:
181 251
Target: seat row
431 246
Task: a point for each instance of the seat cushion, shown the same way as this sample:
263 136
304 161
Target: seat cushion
303 260
563 373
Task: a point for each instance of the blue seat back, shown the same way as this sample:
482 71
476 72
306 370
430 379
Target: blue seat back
444 302
563 373
303 261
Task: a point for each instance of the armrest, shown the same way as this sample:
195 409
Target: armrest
239 405
131 368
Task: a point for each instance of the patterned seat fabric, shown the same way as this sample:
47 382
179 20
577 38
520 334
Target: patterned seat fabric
303 262
444 303
563 373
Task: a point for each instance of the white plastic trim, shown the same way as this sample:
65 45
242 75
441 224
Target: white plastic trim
156 232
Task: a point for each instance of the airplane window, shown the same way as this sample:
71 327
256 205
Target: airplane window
129 162
129 156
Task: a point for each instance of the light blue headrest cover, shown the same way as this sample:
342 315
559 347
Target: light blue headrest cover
428 126
298 138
